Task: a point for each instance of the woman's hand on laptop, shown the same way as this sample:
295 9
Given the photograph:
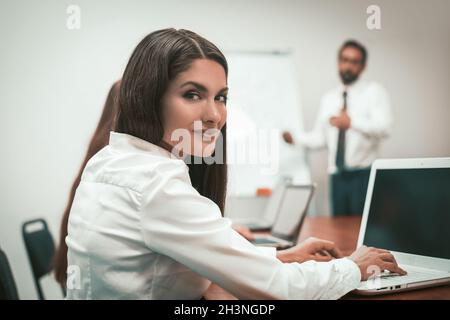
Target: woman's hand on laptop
372 260
310 249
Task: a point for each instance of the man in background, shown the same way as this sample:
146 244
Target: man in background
353 120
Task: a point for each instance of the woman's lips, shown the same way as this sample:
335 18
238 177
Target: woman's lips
208 135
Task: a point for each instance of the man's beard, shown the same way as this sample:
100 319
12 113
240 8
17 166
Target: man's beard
348 77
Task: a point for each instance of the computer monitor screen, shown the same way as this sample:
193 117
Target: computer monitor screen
291 210
410 212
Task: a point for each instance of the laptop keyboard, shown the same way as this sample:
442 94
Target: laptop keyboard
412 276
263 241
387 279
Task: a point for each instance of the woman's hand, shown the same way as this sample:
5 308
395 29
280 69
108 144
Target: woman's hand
244 231
310 249
372 261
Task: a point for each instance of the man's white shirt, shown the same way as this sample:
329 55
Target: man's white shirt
369 109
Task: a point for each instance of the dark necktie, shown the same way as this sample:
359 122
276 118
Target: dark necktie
340 152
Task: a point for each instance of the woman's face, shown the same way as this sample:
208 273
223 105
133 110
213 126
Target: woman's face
194 108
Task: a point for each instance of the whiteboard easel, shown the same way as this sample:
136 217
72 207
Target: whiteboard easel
264 100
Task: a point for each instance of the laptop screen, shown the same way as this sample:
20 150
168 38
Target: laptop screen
291 210
410 212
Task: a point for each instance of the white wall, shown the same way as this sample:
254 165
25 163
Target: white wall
53 81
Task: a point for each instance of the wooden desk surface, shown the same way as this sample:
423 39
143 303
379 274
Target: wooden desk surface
344 232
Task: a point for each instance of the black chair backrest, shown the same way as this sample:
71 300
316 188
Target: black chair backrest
40 248
8 289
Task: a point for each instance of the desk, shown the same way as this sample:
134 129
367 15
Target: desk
344 232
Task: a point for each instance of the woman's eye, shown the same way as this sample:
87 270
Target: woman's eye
192 96
222 98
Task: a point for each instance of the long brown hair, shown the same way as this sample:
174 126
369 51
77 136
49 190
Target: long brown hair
157 60
98 141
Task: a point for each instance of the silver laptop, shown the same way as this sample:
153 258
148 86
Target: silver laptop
290 216
267 219
407 211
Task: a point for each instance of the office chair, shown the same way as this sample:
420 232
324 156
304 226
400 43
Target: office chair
8 289
40 249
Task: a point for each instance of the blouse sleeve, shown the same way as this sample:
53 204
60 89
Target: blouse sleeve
178 222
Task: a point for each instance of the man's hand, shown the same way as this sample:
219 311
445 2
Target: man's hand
342 121
310 249
370 259
287 137
244 231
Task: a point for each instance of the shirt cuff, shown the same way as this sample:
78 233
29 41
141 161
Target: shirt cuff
351 265
350 277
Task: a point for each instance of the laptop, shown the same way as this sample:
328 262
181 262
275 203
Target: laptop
407 211
290 216
265 222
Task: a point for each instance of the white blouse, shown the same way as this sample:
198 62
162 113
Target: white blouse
139 230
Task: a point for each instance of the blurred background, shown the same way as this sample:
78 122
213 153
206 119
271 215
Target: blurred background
54 82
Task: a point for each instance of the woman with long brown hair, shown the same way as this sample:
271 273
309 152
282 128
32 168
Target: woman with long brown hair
100 139
147 218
